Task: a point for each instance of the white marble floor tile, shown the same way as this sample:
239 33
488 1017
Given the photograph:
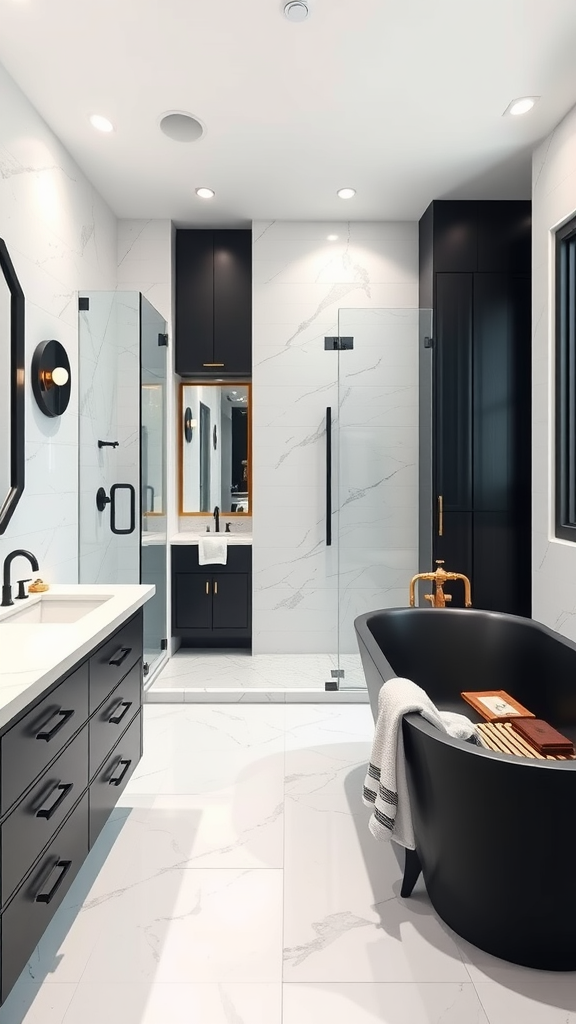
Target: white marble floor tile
238 827
541 998
30 1003
206 670
382 1004
175 1004
194 926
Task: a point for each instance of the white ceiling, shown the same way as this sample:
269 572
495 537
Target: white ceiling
402 99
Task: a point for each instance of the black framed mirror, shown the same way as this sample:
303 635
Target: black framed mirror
11 388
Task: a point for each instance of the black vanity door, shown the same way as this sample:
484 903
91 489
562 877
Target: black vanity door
230 605
193 594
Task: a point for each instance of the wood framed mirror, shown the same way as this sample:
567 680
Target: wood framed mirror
215 448
11 389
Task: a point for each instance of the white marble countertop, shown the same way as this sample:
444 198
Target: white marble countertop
34 655
193 538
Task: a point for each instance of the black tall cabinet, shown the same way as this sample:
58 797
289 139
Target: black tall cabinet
475 274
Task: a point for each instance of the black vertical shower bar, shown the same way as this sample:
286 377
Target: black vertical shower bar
328 476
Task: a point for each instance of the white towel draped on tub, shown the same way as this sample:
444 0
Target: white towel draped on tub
386 786
212 551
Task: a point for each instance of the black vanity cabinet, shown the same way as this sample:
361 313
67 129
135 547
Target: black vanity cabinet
64 762
212 604
213 334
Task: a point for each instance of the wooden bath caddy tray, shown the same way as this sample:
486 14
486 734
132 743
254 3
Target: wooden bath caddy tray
502 737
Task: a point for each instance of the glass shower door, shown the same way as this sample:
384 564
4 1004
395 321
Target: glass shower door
154 551
380 488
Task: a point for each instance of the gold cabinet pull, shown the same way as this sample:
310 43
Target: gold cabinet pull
207 586
212 364
215 586
440 516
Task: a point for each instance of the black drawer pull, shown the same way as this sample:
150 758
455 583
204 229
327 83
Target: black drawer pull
66 716
47 812
47 897
116 719
116 782
120 656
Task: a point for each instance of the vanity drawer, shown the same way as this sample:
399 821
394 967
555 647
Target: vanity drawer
31 825
185 559
113 660
113 777
26 918
116 713
29 746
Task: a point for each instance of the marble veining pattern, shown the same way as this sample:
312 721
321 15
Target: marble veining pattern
61 237
305 288
237 883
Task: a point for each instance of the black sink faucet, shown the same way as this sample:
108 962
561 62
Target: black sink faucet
6 586
216 519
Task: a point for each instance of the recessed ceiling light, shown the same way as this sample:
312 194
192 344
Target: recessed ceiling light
346 193
296 10
332 238
521 105
205 193
181 126
102 124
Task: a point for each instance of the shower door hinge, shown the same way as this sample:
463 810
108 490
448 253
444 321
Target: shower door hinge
164 644
162 340
83 302
334 684
145 668
428 342
338 344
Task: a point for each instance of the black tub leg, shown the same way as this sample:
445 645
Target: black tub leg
412 869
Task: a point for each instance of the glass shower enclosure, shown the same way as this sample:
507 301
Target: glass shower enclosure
122 452
379 468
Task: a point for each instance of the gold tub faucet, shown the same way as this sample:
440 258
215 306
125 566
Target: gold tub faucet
438 599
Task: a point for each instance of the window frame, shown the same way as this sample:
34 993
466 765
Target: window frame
565 393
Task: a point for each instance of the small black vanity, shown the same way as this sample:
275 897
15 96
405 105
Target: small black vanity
212 604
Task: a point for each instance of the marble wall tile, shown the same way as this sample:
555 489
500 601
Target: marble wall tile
306 288
553 202
62 238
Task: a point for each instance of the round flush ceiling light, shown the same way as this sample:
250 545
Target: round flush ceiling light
205 193
181 126
296 10
346 193
101 123
521 106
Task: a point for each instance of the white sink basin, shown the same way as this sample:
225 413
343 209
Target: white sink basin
52 609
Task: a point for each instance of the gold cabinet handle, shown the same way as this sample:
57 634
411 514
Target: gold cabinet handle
212 364
440 516
215 586
207 586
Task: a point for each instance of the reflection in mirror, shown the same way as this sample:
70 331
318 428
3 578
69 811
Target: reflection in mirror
215 433
5 390
152 449
11 388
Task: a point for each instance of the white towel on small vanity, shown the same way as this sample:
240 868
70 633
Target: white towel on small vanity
212 551
386 785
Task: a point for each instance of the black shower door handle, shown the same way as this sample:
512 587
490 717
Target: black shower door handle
328 476
113 492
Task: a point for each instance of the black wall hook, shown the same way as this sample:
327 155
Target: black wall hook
108 444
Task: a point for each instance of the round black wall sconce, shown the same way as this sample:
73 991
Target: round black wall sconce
189 424
51 382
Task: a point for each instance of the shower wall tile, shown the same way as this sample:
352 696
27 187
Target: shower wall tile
553 202
62 238
301 282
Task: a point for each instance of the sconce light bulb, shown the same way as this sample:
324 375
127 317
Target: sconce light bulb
60 376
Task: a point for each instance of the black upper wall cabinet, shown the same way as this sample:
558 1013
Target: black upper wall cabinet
475 275
213 303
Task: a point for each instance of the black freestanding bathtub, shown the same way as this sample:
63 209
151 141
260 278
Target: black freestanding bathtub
495 834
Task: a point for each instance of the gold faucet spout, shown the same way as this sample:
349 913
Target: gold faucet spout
438 599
